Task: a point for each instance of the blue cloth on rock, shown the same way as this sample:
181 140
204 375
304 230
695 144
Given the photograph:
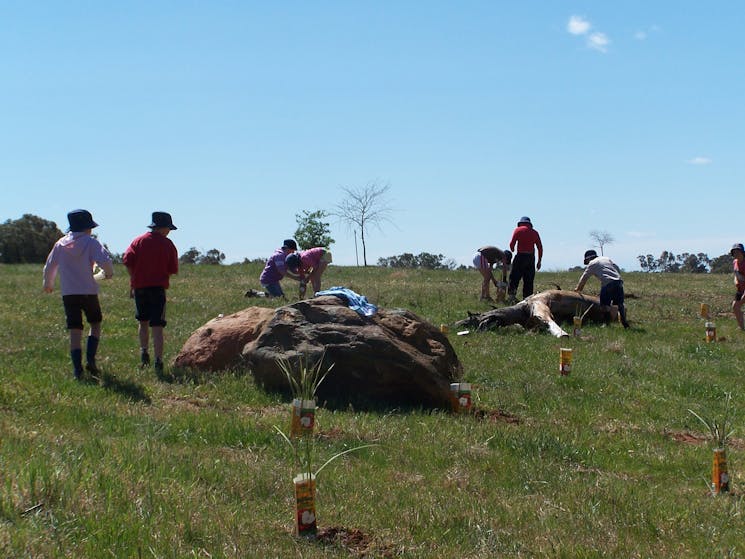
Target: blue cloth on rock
355 301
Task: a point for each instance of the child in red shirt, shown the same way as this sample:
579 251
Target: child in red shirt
150 260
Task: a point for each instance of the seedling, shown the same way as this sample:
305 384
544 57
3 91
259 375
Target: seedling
720 432
304 380
720 429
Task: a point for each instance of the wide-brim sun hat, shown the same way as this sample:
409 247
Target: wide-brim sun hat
524 220
289 244
80 220
162 219
737 246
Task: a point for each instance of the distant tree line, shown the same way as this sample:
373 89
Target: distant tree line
686 262
423 260
30 238
194 256
27 240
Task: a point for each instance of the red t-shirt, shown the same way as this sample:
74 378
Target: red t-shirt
527 240
151 259
739 267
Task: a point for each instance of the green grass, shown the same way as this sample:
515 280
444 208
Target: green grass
593 466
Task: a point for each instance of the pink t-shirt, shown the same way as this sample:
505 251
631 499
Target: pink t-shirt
739 268
310 259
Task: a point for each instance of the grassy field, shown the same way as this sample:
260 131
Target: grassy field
606 462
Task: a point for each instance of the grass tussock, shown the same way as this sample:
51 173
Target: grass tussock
606 462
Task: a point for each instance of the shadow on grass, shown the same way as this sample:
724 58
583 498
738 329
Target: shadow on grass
130 390
192 375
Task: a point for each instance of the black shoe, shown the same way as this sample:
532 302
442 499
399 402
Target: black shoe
77 373
92 368
158 367
144 358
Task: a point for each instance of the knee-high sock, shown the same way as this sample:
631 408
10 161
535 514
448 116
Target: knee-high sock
91 349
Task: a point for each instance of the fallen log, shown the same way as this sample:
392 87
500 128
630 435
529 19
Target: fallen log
543 310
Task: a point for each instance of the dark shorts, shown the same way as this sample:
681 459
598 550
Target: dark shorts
150 305
612 293
76 305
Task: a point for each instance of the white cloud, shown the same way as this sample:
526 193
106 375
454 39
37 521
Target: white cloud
699 160
643 34
598 41
578 25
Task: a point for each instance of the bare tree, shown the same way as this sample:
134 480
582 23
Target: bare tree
363 207
601 238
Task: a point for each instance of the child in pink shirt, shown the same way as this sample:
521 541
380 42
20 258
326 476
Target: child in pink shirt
309 265
738 265
73 257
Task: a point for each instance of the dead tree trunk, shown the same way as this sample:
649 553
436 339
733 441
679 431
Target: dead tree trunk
543 310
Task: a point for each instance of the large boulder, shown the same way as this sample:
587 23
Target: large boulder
218 344
392 358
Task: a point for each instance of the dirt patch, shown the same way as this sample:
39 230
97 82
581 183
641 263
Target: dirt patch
333 434
686 437
192 404
353 540
496 416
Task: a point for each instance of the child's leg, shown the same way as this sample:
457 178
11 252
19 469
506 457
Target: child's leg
76 351
76 338
485 280
158 348
143 332
158 342
622 314
737 310
315 276
515 276
92 347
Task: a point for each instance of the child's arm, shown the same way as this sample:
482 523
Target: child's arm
50 272
108 268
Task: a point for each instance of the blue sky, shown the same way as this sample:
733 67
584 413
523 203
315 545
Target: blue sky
624 117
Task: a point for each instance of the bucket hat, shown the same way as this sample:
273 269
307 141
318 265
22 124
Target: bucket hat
524 220
80 220
589 255
289 243
162 219
737 246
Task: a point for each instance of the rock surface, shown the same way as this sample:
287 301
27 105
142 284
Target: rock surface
392 358
218 344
